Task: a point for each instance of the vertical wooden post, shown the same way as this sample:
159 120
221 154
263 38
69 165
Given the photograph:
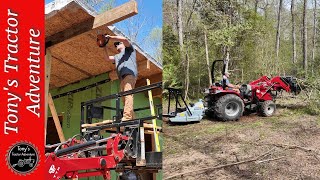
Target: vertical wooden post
47 81
148 64
56 119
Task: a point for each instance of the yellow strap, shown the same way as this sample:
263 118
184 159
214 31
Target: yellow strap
154 121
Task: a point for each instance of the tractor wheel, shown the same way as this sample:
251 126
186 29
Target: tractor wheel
209 114
229 107
20 163
267 108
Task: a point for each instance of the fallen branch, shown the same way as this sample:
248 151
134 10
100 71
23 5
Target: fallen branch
294 147
272 159
314 152
202 170
289 146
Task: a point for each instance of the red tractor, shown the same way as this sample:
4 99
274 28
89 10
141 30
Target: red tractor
226 104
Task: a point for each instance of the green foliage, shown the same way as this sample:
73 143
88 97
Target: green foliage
249 36
101 5
106 6
154 43
227 36
312 88
171 54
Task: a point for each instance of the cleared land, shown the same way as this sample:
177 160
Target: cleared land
287 144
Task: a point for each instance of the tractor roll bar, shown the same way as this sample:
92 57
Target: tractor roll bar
213 67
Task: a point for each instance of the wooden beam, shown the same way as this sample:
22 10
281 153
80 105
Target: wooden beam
56 118
116 14
142 82
107 18
47 82
113 129
106 122
154 78
148 64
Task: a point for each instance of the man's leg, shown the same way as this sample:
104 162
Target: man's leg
128 84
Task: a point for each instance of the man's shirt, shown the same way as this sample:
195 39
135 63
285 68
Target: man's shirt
126 62
227 81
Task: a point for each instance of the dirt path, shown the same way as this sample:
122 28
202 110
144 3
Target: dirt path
294 135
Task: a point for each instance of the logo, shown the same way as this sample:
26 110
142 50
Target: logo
23 158
52 169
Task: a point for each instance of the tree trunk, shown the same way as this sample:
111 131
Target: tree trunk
180 27
207 57
304 38
314 34
266 11
181 44
227 59
256 6
278 31
187 80
199 79
293 18
227 48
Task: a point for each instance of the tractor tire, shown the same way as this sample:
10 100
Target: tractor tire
20 163
229 107
267 108
209 114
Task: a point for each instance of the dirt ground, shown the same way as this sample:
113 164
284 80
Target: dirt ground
288 144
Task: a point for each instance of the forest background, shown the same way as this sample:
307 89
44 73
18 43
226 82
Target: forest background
255 38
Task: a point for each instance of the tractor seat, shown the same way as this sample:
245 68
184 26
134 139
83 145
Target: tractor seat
218 84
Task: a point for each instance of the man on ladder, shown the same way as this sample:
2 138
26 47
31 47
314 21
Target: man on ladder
126 64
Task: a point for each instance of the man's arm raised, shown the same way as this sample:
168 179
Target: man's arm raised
122 39
107 57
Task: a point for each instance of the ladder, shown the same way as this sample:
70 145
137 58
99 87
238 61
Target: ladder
154 121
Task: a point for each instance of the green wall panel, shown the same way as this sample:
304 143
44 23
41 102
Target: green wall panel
69 106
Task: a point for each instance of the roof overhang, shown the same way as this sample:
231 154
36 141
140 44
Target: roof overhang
71 30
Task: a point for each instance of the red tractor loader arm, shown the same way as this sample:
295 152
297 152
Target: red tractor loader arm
289 84
66 163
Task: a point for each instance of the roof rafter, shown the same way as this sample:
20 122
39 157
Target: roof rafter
109 17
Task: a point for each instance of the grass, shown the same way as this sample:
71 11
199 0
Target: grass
217 128
218 142
262 134
256 124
